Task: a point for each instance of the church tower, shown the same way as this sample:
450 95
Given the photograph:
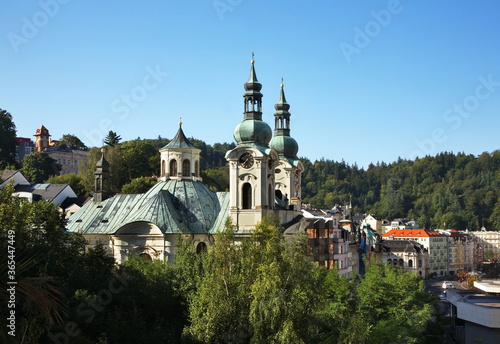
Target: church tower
180 159
289 169
102 187
251 163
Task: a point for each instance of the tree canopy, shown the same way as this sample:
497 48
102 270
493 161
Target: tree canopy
71 141
112 139
39 166
8 143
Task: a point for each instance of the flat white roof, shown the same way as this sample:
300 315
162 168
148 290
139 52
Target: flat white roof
492 287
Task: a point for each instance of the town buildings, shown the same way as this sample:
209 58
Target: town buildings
434 242
60 194
406 254
328 244
24 147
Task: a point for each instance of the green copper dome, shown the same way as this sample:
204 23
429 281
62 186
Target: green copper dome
286 146
251 130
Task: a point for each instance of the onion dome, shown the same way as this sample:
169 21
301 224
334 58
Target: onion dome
285 145
253 129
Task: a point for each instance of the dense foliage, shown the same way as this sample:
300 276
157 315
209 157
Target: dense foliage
73 180
71 141
39 166
453 191
8 143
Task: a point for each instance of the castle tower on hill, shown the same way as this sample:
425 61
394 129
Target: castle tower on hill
42 139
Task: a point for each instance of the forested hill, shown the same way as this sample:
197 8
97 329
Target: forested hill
459 190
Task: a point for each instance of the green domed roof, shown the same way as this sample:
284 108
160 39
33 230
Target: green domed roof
192 201
251 130
286 146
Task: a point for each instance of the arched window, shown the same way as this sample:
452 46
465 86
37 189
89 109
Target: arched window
278 194
196 173
163 168
173 168
186 167
247 196
410 263
389 261
201 247
419 263
401 263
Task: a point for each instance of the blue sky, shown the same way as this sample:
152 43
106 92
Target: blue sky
366 81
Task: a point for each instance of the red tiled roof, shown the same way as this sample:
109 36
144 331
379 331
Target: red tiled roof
412 233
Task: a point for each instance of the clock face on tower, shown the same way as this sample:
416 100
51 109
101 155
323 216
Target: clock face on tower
246 160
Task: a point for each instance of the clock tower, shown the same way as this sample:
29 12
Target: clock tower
251 163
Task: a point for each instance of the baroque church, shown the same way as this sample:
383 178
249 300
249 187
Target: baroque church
265 176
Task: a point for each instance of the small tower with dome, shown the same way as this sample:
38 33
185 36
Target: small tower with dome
180 159
289 169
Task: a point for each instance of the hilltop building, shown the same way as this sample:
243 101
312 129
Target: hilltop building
24 147
264 180
69 158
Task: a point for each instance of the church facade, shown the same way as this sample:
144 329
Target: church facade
265 178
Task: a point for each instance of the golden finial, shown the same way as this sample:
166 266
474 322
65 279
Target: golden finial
252 59
180 121
102 150
281 82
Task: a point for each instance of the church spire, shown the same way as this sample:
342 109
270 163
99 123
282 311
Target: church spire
282 116
253 97
285 145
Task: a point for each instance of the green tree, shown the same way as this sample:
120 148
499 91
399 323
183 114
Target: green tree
112 139
71 141
8 143
38 232
262 290
139 185
139 159
73 180
39 166
388 305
